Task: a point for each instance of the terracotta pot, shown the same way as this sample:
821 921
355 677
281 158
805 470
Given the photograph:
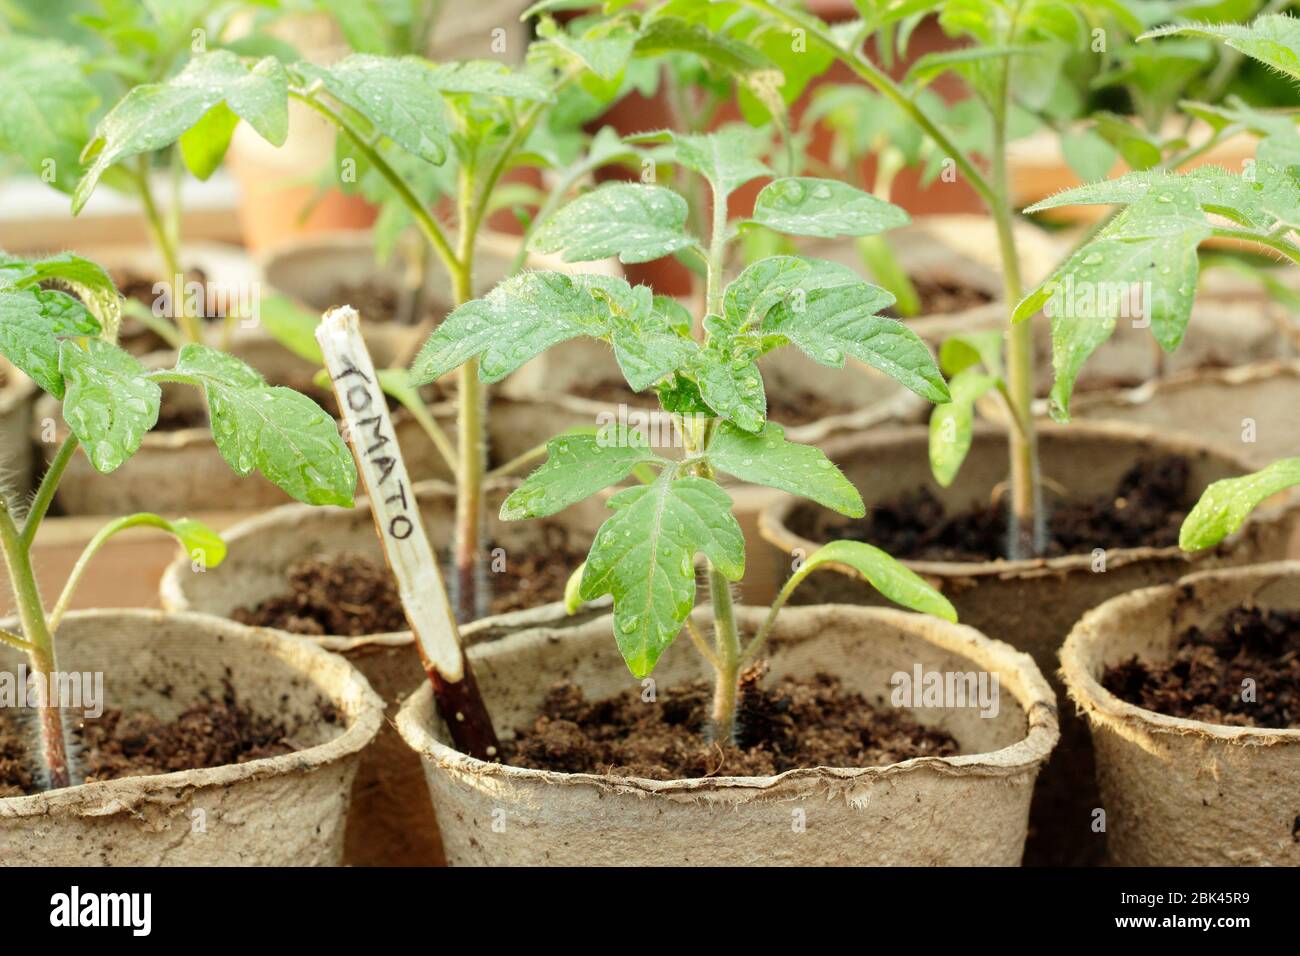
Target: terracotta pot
278 811
1032 604
17 395
1248 410
390 821
965 810
1184 792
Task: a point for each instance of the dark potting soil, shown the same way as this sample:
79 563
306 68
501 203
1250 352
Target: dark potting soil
790 408
213 732
1146 509
351 595
379 301
945 298
794 723
1204 678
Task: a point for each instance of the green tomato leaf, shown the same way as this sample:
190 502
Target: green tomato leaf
951 423
644 556
32 322
1278 168
156 115
400 97
489 78
519 319
1148 250
573 589
960 352
204 144
731 386
727 158
1274 40
1227 503
1213 188
674 35
45 106
110 403
279 432
766 458
292 326
577 466
895 581
634 221
830 323
605 50
825 208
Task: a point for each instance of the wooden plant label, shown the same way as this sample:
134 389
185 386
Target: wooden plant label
369 431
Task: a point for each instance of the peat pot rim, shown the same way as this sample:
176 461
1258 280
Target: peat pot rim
1101 705
1027 684
773 519
107 797
172 593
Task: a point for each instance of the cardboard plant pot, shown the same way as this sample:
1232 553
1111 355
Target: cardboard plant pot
1031 604
1248 410
1181 792
390 822
287 810
17 395
964 810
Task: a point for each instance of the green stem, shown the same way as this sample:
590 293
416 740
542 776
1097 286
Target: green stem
14 641
886 86
1277 243
40 649
727 651
45 492
1026 493
424 220
470 425
167 248
92 547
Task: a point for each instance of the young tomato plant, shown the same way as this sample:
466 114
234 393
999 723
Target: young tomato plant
51 91
1019 69
1153 241
644 555
66 344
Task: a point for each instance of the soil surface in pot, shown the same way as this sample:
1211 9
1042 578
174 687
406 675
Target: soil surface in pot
379 301
1204 678
352 596
795 723
212 733
788 408
1146 509
939 297
135 337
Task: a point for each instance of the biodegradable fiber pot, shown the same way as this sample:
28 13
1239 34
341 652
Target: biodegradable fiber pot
17 393
278 811
1184 792
390 822
964 810
1032 604
1248 410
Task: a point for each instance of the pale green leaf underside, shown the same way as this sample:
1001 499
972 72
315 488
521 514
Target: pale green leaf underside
1227 503
644 556
766 458
894 580
951 423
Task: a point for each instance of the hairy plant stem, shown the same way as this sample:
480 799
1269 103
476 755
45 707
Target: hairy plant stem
1026 525
44 496
167 244
40 647
993 191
